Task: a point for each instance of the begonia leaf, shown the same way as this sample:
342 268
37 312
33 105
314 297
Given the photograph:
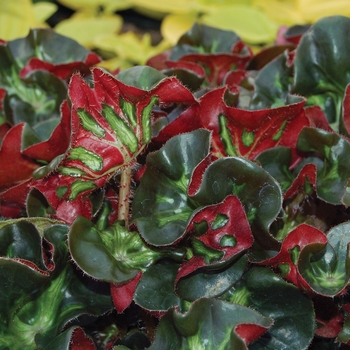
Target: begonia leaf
272 84
155 290
56 143
210 323
291 311
320 66
161 208
287 258
227 233
259 193
276 161
329 318
204 39
257 190
38 50
211 282
344 334
73 338
217 51
237 131
190 74
327 269
345 120
19 167
41 290
333 175
36 89
123 293
111 126
144 78
114 255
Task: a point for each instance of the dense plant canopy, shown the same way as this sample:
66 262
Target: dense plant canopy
196 202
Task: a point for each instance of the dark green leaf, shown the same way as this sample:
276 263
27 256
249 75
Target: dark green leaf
327 270
209 324
276 161
321 65
36 304
259 193
161 206
333 176
203 39
142 77
211 283
272 85
155 291
292 312
114 254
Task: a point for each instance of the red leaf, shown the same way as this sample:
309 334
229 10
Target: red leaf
15 166
317 118
250 332
122 294
308 172
57 143
219 64
234 228
80 341
330 328
12 200
237 131
197 175
159 61
236 77
190 66
64 70
300 237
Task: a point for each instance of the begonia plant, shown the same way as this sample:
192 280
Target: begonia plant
197 202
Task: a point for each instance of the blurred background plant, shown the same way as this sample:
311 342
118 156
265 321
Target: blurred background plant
128 32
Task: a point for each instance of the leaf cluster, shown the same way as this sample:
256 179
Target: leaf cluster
198 202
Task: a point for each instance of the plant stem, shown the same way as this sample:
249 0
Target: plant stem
124 194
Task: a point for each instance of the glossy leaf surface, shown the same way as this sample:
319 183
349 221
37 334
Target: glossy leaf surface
113 255
321 72
35 275
198 328
291 311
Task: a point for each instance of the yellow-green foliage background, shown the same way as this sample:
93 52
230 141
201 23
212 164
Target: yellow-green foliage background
97 25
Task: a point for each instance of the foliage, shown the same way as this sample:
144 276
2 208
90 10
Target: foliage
197 202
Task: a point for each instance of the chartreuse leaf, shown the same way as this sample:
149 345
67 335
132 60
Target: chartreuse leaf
35 303
210 324
321 66
161 208
114 254
333 175
291 311
251 24
327 270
